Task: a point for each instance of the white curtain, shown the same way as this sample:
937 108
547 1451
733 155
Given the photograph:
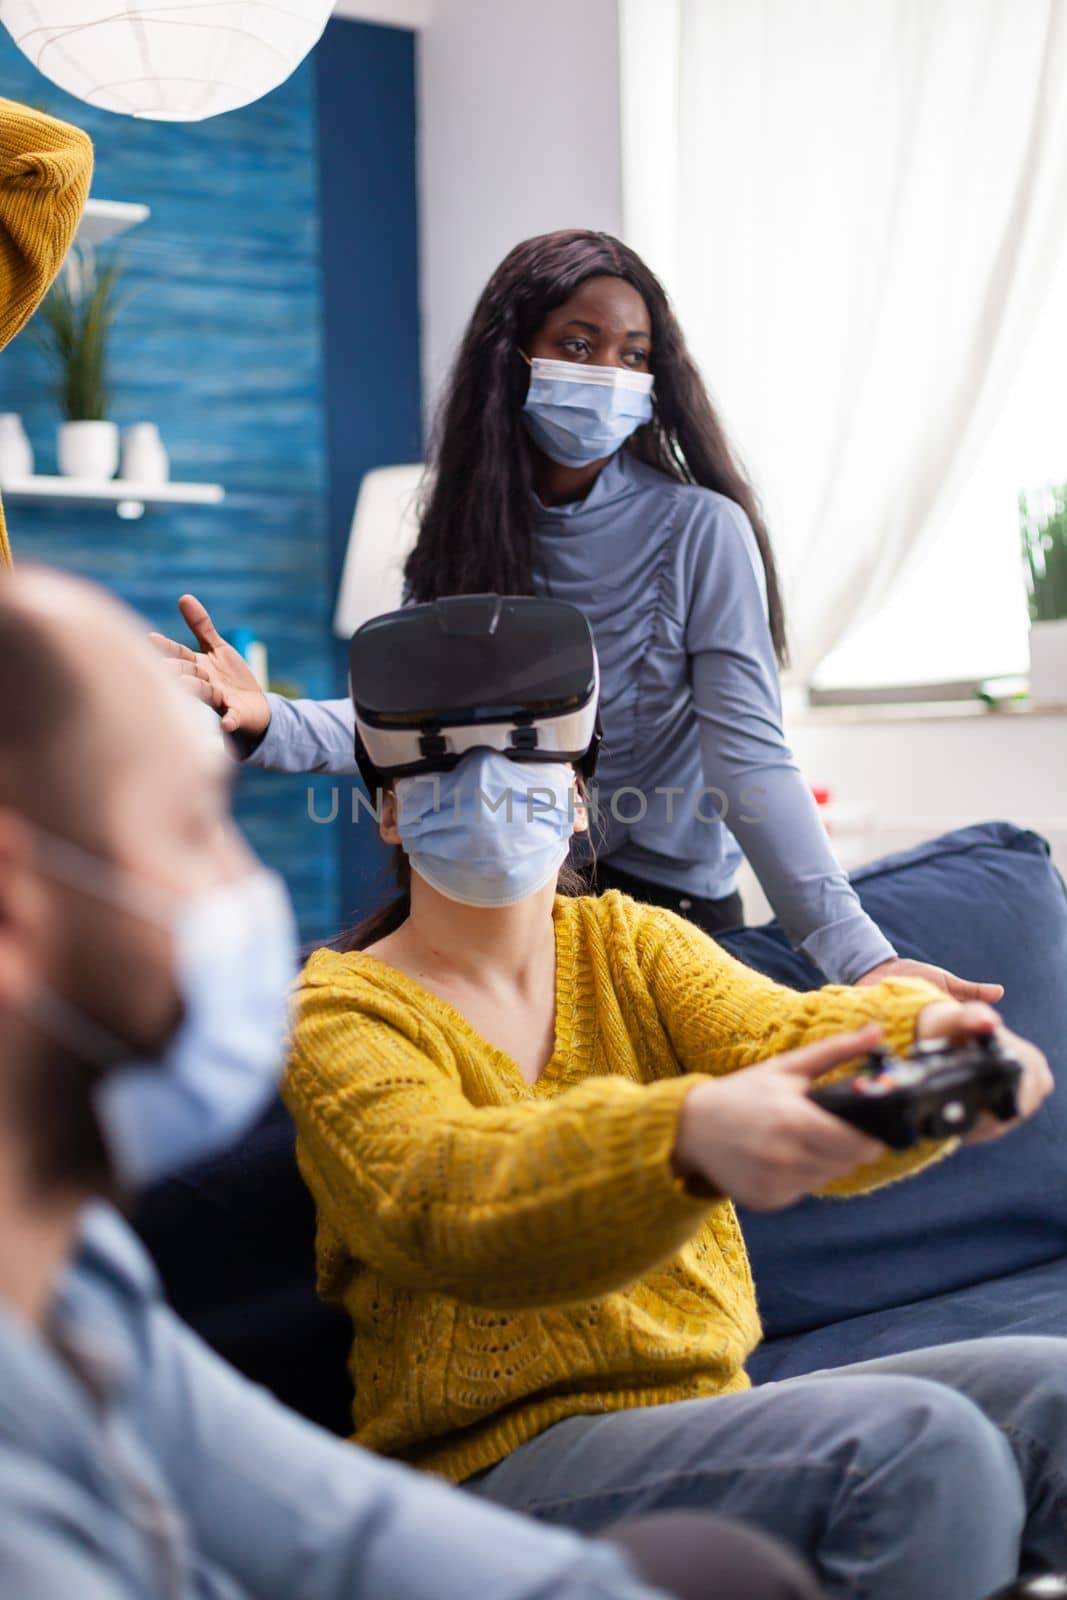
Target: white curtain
860 209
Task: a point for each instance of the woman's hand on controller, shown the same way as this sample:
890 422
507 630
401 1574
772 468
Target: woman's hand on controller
758 1137
217 674
957 1024
959 988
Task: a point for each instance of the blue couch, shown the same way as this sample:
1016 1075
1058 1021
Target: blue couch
978 1244
975 1246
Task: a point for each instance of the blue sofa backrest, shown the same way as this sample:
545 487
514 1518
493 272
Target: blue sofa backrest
987 903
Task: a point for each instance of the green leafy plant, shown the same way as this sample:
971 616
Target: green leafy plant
1043 518
73 328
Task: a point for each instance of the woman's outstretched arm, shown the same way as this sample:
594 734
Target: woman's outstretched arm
267 729
769 805
533 1202
722 1017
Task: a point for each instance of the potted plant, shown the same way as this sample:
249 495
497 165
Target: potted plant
73 327
1044 534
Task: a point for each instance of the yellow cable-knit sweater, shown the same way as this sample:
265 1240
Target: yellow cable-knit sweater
45 170
512 1254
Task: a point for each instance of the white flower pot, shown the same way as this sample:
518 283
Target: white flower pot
16 455
88 450
143 457
1048 662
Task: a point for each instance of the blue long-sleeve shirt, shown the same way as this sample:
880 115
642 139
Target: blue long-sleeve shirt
694 768
136 1465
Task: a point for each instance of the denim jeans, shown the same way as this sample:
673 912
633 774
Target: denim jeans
936 1475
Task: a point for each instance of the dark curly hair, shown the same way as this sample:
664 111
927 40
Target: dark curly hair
475 534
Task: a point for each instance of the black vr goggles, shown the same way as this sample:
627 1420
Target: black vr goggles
512 673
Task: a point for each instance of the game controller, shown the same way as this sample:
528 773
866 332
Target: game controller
939 1091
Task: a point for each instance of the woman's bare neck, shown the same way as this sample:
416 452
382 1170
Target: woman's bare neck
471 944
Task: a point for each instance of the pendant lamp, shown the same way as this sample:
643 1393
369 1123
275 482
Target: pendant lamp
174 62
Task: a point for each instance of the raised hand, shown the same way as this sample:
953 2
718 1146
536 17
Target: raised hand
217 674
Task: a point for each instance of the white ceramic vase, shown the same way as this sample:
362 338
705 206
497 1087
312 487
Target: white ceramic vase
1048 663
88 450
144 459
16 454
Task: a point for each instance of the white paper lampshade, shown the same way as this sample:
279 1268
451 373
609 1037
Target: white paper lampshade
384 530
176 62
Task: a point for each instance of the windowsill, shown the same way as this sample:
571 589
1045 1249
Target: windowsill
922 711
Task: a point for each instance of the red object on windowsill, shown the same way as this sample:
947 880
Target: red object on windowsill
824 800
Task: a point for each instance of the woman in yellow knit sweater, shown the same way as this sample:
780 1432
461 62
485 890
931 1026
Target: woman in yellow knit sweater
45 171
523 1117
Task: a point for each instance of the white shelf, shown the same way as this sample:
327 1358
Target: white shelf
127 495
106 219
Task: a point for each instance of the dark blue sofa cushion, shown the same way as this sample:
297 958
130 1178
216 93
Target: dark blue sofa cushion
1031 1302
987 903
979 1244
234 1242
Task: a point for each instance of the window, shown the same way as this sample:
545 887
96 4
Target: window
858 210
961 615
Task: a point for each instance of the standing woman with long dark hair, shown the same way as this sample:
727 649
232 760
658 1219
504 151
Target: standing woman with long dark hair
578 454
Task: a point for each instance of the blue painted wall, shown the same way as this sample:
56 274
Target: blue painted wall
222 345
365 78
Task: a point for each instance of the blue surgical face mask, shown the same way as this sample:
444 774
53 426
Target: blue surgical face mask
491 831
235 958
578 414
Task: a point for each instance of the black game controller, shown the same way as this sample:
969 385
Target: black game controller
939 1091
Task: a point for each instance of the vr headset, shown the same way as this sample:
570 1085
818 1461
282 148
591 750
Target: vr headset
512 673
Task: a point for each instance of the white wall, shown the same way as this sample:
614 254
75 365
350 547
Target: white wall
898 778
519 133
393 13
942 771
